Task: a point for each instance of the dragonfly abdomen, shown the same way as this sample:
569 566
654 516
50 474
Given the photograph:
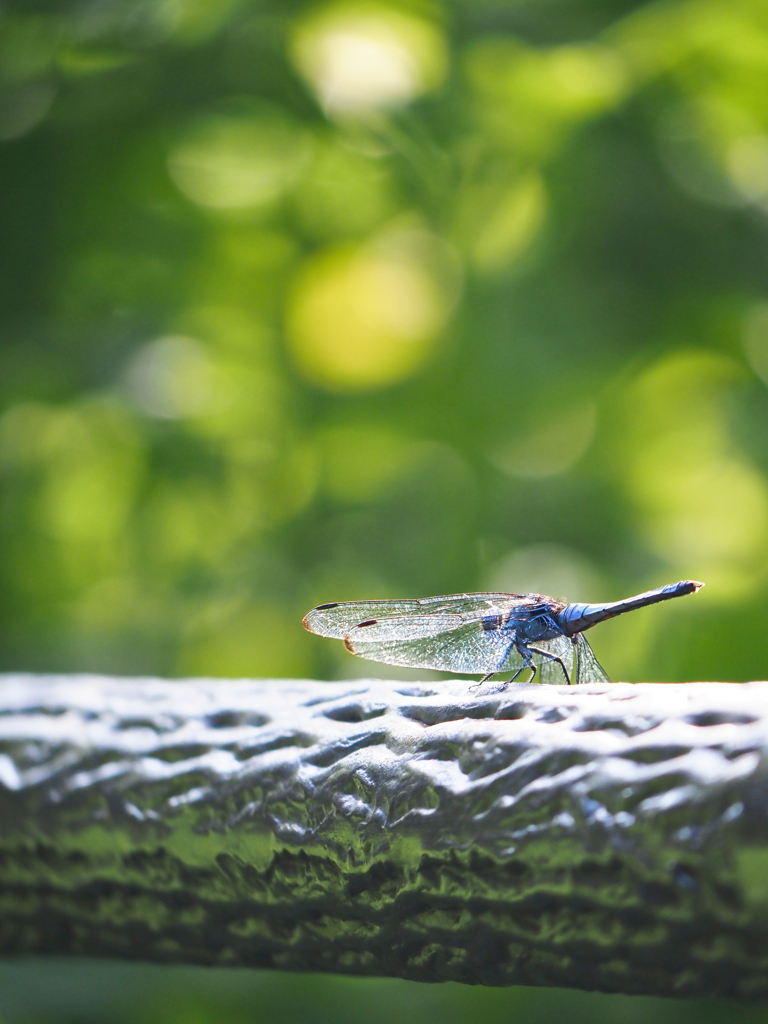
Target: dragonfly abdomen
575 618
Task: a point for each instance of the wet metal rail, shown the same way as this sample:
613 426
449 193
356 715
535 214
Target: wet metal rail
608 837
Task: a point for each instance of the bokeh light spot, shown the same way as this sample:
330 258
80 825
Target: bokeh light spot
510 225
361 58
369 317
92 461
552 569
584 79
238 162
529 97
748 167
702 506
173 377
551 446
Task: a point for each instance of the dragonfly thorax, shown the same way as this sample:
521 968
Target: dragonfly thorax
539 624
526 623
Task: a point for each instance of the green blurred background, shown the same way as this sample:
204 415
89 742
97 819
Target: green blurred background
302 303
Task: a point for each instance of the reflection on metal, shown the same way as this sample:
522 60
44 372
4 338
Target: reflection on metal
605 836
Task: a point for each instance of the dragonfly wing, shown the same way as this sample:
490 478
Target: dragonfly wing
589 669
486 601
466 644
448 643
336 620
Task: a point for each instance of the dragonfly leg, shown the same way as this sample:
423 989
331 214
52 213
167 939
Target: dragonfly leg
479 683
552 657
527 663
502 659
495 671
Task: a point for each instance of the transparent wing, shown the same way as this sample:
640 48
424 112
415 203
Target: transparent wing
467 644
422 641
589 669
408 627
336 620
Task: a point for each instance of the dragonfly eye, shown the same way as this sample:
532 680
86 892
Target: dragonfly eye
368 622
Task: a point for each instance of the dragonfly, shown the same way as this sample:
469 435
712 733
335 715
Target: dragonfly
485 633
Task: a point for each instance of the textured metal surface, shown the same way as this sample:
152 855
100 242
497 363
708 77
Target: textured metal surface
607 836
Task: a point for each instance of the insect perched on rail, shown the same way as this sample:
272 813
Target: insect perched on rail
481 633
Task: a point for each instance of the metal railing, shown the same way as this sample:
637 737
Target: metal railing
609 837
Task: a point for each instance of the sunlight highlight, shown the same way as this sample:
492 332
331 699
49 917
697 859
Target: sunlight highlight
361 58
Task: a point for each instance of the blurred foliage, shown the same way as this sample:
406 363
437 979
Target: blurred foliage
308 302
88 992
